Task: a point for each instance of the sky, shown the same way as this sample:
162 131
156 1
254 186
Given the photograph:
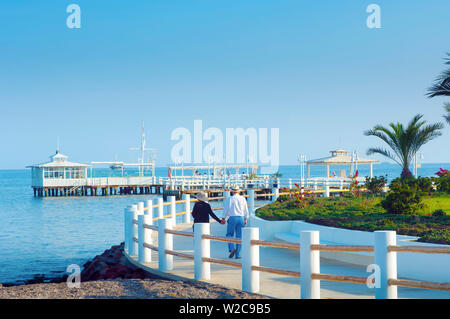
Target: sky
313 69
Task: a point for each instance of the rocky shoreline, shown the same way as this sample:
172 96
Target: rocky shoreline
111 264
110 275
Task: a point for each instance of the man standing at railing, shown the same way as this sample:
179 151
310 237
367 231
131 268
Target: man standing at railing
235 208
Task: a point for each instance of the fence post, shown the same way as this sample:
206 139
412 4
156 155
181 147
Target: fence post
160 208
387 261
276 192
326 188
144 237
140 207
187 208
173 210
149 209
202 269
128 213
165 242
309 264
250 257
251 201
290 183
147 233
132 245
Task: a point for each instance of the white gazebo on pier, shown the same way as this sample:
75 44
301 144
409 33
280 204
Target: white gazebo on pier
341 157
58 169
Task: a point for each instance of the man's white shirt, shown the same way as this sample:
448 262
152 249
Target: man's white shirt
235 205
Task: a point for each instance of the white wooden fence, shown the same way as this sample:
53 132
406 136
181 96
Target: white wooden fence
141 220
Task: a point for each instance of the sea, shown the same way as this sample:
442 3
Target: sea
43 236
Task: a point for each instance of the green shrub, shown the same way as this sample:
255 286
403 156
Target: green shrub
438 236
375 185
425 184
438 213
404 197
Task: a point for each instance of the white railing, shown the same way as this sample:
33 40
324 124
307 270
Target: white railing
139 223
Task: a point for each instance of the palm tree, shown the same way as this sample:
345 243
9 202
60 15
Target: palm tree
404 142
441 87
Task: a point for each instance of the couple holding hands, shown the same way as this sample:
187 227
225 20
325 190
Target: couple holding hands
235 208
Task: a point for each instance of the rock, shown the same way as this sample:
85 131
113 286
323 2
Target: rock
112 264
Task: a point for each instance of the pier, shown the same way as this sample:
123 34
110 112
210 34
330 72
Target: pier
60 177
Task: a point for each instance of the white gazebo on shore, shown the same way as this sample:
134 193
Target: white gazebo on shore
341 157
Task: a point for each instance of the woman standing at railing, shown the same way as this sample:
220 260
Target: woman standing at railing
202 210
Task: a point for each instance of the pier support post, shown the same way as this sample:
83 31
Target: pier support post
145 237
165 242
202 269
173 210
160 208
309 264
387 261
250 258
187 208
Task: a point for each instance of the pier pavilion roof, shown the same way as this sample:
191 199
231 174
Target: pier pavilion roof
340 157
59 160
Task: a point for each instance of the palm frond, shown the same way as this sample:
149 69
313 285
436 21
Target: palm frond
441 87
384 152
447 108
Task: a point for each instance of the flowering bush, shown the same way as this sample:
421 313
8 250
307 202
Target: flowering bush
442 182
354 188
297 196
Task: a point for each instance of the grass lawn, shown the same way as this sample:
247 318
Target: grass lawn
366 213
436 202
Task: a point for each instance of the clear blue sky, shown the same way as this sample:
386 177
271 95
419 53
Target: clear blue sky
311 68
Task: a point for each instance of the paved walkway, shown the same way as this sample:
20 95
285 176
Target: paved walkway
278 286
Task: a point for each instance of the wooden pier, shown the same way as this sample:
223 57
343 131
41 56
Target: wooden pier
110 190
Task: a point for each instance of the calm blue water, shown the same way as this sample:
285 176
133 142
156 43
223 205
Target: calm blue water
45 235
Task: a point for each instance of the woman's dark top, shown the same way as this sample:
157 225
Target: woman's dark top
202 211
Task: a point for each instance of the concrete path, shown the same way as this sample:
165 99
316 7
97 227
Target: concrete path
273 285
